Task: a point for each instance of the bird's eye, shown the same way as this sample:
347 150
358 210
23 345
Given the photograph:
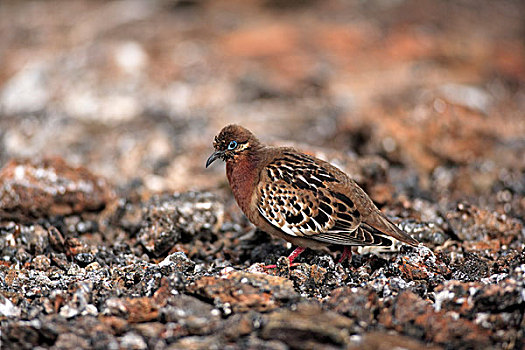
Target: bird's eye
232 145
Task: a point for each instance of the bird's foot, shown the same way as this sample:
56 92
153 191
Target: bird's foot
268 267
347 254
291 258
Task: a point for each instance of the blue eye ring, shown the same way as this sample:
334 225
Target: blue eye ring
232 145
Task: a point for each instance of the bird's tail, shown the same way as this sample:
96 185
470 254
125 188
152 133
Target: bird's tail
383 224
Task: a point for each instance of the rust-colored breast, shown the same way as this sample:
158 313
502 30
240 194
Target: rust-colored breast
243 176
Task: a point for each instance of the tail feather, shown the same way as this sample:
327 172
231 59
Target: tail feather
380 222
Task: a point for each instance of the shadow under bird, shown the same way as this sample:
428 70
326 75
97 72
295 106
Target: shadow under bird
302 199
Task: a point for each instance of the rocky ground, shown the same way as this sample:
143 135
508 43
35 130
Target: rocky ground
114 236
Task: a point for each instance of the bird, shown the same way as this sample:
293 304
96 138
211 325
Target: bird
300 198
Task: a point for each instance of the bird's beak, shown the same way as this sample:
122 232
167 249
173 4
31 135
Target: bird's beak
215 155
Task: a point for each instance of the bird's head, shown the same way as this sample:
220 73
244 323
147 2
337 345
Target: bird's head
232 141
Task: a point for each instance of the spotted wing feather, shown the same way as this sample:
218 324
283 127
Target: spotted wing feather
299 199
292 210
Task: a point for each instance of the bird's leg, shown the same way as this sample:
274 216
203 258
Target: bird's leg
291 258
295 254
347 254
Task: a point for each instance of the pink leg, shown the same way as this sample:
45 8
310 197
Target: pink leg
347 254
291 257
295 254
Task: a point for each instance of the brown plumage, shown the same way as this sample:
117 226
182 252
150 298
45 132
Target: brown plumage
300 198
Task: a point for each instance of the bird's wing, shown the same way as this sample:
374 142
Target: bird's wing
299 198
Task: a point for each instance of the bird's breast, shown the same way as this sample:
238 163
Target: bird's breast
243 176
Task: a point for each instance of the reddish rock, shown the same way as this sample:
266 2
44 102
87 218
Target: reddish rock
49 187
135 310
411 271
421 264
242 291
471 223
413 316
